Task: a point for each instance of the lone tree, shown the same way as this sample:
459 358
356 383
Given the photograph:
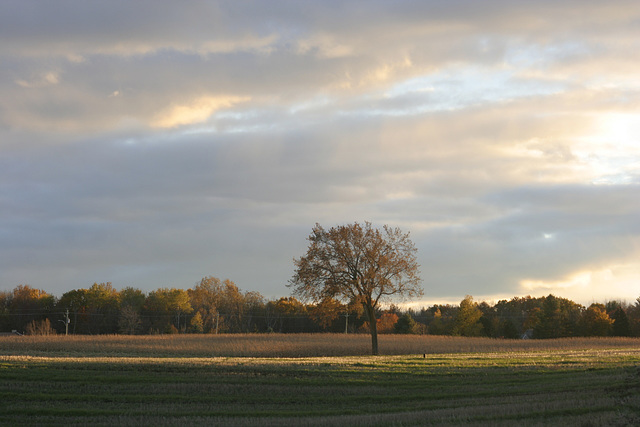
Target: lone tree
358 263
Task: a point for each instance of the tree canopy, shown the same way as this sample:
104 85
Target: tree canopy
358 263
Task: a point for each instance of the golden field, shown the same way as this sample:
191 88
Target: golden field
285 345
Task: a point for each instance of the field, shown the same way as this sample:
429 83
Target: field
317 380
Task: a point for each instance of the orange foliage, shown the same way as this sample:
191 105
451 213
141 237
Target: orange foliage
386 323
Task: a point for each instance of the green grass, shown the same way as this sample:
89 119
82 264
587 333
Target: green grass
537 387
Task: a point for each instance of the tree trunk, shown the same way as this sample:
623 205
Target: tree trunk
373 327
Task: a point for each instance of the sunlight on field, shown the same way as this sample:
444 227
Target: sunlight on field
537 358
284 345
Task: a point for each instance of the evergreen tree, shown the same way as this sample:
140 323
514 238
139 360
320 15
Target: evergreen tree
509 330
549 320
405 324
621 325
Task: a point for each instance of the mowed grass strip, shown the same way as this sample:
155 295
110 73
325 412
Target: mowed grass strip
571 387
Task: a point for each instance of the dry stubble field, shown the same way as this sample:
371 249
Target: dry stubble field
317 379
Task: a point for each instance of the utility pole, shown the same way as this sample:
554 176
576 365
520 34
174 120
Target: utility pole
217 321
346 323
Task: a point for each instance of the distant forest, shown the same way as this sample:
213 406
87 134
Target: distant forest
217 306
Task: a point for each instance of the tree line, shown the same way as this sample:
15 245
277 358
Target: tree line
219 306
530 317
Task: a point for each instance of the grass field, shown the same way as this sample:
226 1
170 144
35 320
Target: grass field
182 380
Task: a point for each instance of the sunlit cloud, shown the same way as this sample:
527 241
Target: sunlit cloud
611 282
194 112
579 280
612 151
386 72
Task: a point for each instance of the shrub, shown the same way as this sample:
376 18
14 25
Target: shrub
40 327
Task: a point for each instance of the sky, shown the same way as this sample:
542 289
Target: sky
153 143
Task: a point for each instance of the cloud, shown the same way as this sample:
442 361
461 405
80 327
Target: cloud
588 286
290 58
47 79
195 112
151 144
